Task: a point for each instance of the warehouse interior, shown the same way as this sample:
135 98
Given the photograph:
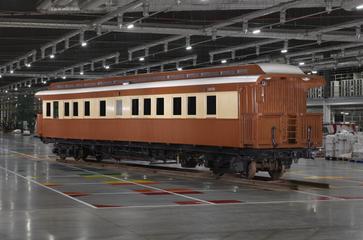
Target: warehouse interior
43 42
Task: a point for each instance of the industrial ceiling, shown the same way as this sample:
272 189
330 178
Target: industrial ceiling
61 40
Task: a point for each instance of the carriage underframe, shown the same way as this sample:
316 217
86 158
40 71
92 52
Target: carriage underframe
219 160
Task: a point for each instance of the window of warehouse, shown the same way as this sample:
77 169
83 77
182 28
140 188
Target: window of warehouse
75 109
102 108
118 107
48 110
66 109
147 106
55 109
211 105
177 106
192 105
160 106
87 108
135 107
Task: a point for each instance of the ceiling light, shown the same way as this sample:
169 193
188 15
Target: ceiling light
130 26
15 89
256 31
28 65
314 72
284 51
29 85
64 77
51 56
359 7
1 76
84 44
224 61
81 73
11 71
141 59
179 68
189 47
301 63
106 66
6 91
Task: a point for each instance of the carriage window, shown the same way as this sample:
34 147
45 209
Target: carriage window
55 109
160 106
147 106
135 107
177 105
66 109
48 109
118 107
102 108
192 105
211 105
75 109
87 108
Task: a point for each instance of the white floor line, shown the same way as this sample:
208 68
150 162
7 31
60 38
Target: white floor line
141 185
51 189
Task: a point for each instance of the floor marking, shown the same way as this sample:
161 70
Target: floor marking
140 184
317 194
49 188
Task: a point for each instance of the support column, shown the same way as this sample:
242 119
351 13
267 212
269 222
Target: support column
326 112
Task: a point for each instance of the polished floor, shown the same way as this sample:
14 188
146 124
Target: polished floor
43 199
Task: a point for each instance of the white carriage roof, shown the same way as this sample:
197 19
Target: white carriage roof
280 68
266 68
159 84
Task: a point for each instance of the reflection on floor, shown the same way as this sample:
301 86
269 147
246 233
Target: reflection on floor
44 199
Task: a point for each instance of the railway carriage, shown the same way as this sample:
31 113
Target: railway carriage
240 119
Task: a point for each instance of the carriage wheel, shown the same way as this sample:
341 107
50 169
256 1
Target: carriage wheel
251 171
99 157
277 174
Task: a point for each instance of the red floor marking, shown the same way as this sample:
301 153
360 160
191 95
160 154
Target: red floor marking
323 198
188 202
106 206
76 194
167 191
349 197
224 201
183 191
151 192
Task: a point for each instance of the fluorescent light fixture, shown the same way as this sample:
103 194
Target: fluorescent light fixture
29 86
301 63
284 51
81 73
1 76
84 44
224 61
6 91
189 47
64 77
51 56
314 72
28 65
179 68
346 113
256 31
11 71
15 89
106 67
359 7
130 26
141 59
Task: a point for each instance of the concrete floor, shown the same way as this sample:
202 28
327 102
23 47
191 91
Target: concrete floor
43 199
